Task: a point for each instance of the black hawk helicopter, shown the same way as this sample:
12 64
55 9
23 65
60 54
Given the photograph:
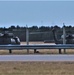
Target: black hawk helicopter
8 38
69 38
65 39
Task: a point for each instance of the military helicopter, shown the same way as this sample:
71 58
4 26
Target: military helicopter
69 38
65 38
8 38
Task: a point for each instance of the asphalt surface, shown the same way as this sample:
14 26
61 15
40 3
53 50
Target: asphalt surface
59 57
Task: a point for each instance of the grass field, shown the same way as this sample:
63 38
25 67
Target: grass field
41 51
36 68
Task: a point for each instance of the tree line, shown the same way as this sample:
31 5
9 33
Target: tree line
35 28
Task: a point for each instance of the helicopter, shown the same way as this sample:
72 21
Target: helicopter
69 38
8 38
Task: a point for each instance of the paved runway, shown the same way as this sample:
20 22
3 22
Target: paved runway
59 57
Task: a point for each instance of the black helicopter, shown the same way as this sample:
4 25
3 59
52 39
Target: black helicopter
8 38
69 38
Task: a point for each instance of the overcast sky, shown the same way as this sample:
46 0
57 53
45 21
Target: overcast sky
38 13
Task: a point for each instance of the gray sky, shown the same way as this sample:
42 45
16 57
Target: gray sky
39 12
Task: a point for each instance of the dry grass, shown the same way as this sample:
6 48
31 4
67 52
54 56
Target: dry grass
36 68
